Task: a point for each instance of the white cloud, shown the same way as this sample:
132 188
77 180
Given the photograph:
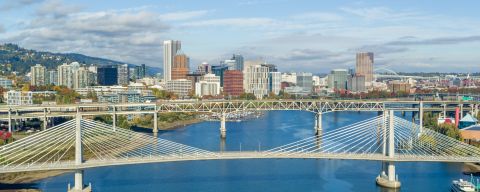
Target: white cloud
318 16
382 13
13 4
183 15
234 22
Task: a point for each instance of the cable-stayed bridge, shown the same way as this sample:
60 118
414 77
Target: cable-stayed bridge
81 143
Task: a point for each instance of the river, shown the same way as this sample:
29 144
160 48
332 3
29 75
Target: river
273 129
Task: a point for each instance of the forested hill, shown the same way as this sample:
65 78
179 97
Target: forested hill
20 59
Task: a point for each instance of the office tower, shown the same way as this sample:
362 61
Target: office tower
37 75
204 68
170 49
122 74
107 75
231 64
275 82
209 85
65 75
256 80
305 82
364 66
337 79
194 78
180 67
271 67
233 82
219 71
356 83
180 87
238 61
290 78
139 72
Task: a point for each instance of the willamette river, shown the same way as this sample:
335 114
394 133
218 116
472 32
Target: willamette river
274 129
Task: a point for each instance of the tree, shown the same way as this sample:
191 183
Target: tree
26 87
247 96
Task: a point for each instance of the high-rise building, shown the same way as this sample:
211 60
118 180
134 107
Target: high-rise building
180 87
204 68
337 79
356 83
256 80
271 67
52 77
180 67
37 75
305 82
233 82
122 74
364 65
82 78
65 75
139 71
212 78
238 61
170 49
107 75
194 78
275 82
231 64
219 71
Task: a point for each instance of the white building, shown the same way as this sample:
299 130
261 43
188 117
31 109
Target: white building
52 77
170 49
37 75
275 82
19 98
203 88
289 77
82 78
65 75
255 80
180 87
123 74
6 83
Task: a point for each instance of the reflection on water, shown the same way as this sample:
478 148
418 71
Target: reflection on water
274 129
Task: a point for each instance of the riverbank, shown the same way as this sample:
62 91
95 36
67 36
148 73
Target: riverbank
471 168
21 182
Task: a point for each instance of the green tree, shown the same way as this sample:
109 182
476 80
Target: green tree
247 96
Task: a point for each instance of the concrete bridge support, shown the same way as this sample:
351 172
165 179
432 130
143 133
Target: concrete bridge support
78 187
10 120
420 116
155 121
461 110
318 123
45 120
114 118
389 179
223 128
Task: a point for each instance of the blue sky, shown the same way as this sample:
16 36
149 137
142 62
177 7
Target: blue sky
296 35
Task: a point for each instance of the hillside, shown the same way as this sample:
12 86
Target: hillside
15 58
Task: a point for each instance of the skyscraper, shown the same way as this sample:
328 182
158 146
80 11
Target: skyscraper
337 79
170 49
238 62
37 75
233 82
122 74
107 75
364 65
65 75
275 80
52 77
82 78
305 82
180 67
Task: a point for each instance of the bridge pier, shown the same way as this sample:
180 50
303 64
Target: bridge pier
155 120
420 116
9 120
45 120
461 111
78 187
389 179
114 118
223 129
318 123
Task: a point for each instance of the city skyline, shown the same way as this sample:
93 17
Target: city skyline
404 36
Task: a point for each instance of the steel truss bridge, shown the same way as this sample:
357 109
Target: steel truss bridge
80 143
9 113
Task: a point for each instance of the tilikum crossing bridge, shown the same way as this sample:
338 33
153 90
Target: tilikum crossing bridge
81 143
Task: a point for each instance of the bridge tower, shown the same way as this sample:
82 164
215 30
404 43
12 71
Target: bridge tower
155 121
114 118
318 123
9 120
389 179
78 187
223 128
45 120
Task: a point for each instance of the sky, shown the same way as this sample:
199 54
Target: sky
296 35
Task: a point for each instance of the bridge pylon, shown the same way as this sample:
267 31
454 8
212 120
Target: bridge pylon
388 178
78 187
223 128
318 123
